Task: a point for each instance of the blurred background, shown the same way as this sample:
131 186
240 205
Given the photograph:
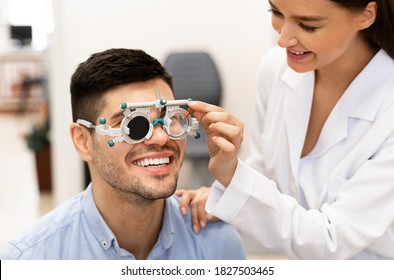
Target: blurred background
43 41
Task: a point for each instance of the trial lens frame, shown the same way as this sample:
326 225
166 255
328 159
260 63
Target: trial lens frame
136 126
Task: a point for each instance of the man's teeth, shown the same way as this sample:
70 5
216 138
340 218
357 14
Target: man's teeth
153 162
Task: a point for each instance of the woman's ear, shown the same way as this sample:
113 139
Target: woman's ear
368 16
81 138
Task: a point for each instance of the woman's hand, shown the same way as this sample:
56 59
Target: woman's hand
224 137
197 200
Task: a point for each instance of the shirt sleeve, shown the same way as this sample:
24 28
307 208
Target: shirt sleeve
9 252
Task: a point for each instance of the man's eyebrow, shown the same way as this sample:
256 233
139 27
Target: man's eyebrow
302 18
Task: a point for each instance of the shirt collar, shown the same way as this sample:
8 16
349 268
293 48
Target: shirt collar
106 237
166 235
98 226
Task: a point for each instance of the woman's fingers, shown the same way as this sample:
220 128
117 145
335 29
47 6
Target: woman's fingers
186 198
211 218
231 133
195 215
199 219
224 135
203 107
196 199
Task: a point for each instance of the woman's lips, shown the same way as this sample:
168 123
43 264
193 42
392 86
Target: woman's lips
297 55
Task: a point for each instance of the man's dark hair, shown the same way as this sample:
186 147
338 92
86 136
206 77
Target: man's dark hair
108 70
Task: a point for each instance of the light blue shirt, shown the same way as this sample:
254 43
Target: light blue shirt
76 230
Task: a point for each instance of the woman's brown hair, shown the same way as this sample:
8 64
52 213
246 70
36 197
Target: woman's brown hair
381 33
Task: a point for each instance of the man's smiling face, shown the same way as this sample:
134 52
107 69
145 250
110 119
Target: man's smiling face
148 169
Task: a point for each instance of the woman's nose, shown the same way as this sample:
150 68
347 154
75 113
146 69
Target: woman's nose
286 37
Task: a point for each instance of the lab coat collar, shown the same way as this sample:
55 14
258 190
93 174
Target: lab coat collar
367 87
361 100
298 100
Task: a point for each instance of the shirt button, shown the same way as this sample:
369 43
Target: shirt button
104 243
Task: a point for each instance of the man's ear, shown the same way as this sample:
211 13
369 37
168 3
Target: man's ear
368 16
81 139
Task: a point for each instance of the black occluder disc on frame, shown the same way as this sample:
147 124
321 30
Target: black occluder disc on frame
139 127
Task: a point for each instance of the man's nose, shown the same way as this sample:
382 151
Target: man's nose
159 136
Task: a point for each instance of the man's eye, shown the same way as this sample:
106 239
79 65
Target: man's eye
116 124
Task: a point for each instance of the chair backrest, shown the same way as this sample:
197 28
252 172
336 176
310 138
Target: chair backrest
195 76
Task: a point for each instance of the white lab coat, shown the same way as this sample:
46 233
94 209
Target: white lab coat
316 207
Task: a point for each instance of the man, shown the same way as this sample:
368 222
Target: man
128 211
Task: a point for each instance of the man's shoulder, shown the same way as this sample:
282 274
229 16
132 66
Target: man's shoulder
211 226
51 226
220 240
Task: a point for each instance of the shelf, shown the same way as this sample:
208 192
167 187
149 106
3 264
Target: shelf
9 105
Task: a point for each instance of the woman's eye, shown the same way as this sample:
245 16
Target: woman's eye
275 12
307 28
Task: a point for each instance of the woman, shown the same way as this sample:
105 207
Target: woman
312 187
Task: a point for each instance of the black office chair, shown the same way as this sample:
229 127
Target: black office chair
195 76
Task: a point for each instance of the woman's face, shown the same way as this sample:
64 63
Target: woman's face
315 33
